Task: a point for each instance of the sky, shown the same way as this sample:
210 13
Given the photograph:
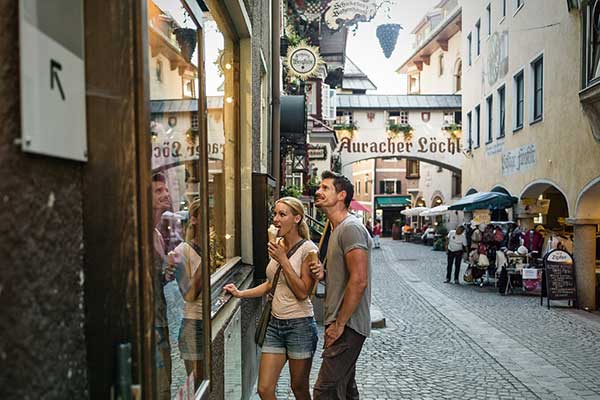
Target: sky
363 47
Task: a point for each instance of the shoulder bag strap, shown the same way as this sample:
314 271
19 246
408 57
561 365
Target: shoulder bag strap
290 253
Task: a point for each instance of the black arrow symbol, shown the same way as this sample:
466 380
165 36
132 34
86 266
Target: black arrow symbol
54 66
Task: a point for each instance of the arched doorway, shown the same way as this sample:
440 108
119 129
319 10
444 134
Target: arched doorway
558 210
587 245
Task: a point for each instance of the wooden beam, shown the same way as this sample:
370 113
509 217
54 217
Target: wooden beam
426 59
419 65
443 44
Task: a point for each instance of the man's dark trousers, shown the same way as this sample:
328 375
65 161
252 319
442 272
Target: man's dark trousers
456 258
336 379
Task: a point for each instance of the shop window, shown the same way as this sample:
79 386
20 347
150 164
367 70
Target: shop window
412 169
178 197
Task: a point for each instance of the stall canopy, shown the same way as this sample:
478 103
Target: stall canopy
414 211
392 201
483 201
355 205
439 210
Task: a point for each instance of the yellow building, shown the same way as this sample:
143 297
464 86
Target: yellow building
524 123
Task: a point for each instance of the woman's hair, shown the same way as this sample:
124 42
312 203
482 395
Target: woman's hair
297 209
194 211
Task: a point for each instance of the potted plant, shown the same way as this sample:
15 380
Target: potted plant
186 39
454 130
291 191
397 230
345 130
395 130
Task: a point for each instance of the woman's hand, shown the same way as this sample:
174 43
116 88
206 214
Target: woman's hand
277 252
232 289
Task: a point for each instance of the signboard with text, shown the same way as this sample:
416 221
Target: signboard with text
559 277
53 118
518 160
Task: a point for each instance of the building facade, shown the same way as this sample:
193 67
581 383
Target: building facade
524 122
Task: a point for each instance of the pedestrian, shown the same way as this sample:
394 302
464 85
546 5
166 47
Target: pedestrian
292 330
163 274
456 243
377 234
186 259
369 228
347 302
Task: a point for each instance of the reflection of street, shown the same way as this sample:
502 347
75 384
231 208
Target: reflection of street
446 341
174 315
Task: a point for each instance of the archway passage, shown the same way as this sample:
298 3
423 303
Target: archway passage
558 210
347 161
588 203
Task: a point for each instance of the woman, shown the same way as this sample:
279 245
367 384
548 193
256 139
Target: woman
377 234
186 260
292 331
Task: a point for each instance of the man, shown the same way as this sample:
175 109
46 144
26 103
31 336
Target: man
161 202
456 243
348 298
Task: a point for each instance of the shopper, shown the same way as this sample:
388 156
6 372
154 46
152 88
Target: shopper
292 331
456 243
377 234
186 258
347 303
161 202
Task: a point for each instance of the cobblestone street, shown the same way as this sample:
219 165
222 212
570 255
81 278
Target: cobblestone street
446 341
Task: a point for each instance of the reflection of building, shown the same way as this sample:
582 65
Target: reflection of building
523 116
95 234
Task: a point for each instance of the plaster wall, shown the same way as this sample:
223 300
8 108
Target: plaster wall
431 80
566 154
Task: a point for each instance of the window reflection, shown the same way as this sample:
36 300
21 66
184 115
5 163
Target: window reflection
175 130
220 67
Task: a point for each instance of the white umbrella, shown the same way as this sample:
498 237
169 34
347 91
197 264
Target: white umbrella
439 210
413 211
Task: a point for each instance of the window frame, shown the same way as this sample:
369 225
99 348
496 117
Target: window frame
478 126
470 130
488 10
538 61
470 48
478 31
501 92
441 64
518 105
489 102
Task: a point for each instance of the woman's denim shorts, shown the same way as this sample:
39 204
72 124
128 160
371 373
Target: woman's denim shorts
296 337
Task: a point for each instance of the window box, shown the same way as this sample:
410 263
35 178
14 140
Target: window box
394 131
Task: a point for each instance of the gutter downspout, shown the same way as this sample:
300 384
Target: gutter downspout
276 92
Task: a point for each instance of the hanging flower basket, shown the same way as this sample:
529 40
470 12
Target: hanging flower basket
454 130
345 130
395 130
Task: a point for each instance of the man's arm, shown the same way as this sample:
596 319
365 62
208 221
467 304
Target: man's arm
357 263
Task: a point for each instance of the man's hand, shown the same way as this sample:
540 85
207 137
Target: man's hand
317 270
333 333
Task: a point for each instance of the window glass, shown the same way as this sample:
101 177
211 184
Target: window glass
175 130
490 119
221 68
538 71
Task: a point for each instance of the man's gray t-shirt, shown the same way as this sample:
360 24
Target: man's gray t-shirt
350 234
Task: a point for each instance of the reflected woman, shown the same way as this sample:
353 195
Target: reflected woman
186 261
292 331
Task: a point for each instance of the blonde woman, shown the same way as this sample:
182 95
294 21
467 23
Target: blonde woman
292 331
186 257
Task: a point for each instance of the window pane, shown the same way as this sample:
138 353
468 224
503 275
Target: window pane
178 264
221 65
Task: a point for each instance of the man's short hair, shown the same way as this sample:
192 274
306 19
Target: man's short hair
341 183
159 177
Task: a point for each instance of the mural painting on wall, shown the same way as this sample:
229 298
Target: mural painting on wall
371 116
497 60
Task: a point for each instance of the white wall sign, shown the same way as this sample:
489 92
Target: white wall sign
518 160
349 12
53 118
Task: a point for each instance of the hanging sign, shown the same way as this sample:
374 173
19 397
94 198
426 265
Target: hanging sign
303 61
317 152
559 277
341 13
51 44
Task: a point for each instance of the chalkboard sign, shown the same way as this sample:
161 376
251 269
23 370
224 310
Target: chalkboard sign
559 276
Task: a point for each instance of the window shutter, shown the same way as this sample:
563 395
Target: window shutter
332 106
398 187
381 187
325 102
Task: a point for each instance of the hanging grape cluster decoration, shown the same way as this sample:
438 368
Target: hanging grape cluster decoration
388 36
